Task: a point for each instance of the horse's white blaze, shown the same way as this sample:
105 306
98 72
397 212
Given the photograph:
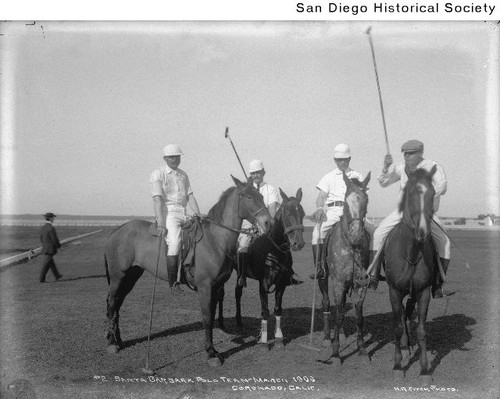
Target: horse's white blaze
278 334
263 332
422 224
353 202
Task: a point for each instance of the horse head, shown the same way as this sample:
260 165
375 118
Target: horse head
417 204
291 216
355 208
251 205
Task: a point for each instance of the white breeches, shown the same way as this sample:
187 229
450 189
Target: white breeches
440 238
333 215
175 219
244 239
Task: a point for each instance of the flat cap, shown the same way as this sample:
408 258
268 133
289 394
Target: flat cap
412 146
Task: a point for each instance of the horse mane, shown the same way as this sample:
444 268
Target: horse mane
217 210
416 175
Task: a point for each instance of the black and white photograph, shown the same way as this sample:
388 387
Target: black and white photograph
249 209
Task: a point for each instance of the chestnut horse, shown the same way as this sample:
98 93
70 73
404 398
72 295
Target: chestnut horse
346 254
411 266
270 263
131 249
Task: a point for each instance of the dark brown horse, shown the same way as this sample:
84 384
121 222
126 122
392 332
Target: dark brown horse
131 249
410 263
270 263
346 254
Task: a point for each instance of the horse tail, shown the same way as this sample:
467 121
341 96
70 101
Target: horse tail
107 268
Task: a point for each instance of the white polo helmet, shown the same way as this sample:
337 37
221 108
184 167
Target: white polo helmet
341 151
255 165
172 150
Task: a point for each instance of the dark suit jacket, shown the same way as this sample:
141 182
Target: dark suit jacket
49 239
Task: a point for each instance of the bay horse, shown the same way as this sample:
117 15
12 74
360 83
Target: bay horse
346 255
411 267
269 261
131 249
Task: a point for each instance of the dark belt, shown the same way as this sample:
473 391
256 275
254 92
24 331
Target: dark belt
336 203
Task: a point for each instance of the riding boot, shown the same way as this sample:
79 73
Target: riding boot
439 292
172 267
241 271
320 267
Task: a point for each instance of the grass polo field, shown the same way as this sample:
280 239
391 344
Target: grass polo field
53 335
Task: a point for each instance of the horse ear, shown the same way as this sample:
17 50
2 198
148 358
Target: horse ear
367 180
237 182
299 195
433 170
283 195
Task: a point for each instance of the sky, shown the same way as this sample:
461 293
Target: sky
86 108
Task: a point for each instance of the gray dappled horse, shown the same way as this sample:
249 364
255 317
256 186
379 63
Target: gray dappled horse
131 249
411 267
270 263
346 254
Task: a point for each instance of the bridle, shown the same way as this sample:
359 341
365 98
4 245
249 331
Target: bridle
253 217
286 231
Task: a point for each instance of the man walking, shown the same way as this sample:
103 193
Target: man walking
50 245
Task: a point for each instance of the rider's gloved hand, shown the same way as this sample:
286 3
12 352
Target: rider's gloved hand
387 162
200 216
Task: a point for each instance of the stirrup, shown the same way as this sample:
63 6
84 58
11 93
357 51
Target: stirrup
367 281
321 275
242 281
294 281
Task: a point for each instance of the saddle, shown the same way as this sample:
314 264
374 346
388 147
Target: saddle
190 236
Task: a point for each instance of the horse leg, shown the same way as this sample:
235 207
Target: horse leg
220 320
397 315
278 299
323 287
264 313
423 306
339 297
118 290
405 339
238 292
359 325
208 301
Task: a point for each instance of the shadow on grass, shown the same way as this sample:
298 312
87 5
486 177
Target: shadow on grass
64 280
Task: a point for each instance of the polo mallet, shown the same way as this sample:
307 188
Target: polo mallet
146 369
379 91
227 136
310 346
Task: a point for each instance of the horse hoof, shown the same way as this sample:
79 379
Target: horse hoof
326 343
214 362
278 344
263 346
398 374
325 354
113 349
425 380
364 358
336 362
